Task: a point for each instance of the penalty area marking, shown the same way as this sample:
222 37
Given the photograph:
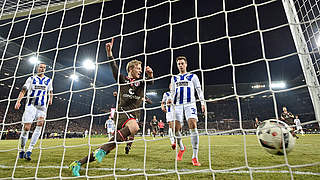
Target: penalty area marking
166 170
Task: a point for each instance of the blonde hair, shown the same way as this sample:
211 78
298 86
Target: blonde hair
132 64
181 58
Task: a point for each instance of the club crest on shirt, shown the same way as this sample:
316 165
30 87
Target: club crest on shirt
136 84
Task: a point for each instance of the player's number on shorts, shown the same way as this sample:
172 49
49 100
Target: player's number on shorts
194 111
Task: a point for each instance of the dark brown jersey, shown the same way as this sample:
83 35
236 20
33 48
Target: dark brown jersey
131 91
287 117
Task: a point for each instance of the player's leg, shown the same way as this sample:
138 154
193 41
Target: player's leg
27 118
128 128
35 136
24 138
129 144
191 115
170 133
178 115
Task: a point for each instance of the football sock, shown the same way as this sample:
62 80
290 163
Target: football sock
24 138
171 135
122 135
179 140
35 137
131 138
194 142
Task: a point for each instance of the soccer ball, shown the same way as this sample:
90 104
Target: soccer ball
273 134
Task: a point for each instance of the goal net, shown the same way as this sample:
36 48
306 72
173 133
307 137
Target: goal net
252 58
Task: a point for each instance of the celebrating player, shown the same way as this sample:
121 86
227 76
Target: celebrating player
169 116
298 125
130 99
287 117
38 87
154 126
109 125
183 94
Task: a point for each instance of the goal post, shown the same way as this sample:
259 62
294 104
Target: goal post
308 66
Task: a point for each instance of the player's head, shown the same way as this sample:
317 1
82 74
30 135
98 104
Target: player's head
134 69
297 116
41 68
182 64
284 109
154 117
160 121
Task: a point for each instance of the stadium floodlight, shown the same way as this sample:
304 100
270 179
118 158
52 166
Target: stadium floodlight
74 77
278 85
33 60
88 64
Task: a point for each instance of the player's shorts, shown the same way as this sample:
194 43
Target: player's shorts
188 110
154 128
299 127
32 113
170 116
110 130
123 119
161 130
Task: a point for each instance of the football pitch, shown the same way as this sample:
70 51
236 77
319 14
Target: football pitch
156 159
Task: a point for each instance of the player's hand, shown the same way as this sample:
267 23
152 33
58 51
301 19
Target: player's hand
115 93
163 109
149 71
17 106
50 102
203 108
109 48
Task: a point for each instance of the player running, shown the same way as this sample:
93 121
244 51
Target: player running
131 97
169 116
38 88
183 94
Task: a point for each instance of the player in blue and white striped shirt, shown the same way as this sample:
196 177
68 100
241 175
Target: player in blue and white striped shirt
169 115
38 88
183 90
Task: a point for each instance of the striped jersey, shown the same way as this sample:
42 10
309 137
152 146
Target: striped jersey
38 89
297 122
165 98
110 123
183 89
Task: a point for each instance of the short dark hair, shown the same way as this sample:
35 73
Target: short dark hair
181 58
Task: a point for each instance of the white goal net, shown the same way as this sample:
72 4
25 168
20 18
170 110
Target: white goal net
252 57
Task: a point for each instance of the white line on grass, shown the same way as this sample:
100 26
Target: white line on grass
167 170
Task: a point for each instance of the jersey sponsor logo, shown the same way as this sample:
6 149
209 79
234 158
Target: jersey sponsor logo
182 84
36 87
131 96
131 91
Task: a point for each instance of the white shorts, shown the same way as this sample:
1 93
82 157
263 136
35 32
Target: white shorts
169 116
110 130
32 113
188 110
299 127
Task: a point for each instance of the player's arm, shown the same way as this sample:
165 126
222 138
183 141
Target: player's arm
163 108
172 93
21 95
197 86
149 72
282 116
114 66
25 88
148 100
50 93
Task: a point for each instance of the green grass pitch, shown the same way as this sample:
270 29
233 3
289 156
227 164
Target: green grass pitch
226 153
